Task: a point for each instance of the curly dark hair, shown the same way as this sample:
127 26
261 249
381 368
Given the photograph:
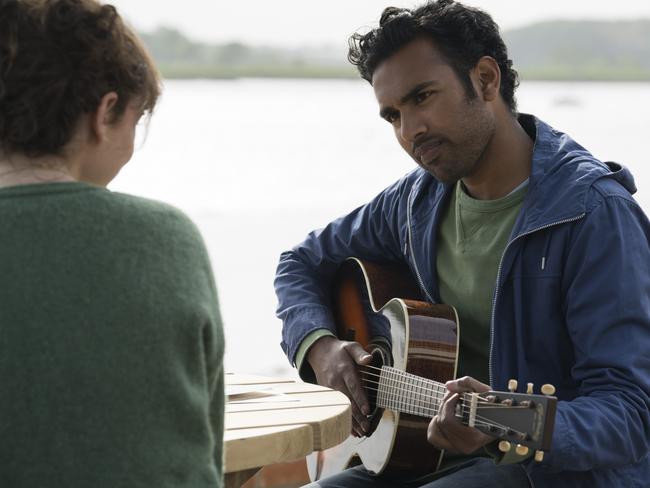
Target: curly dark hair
462 34
58 58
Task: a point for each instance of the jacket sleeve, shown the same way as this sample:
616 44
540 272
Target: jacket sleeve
304 273
607 309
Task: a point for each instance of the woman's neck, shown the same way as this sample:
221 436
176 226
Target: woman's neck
21 170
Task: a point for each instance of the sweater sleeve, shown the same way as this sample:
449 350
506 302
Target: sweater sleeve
204 296
607 310
214 351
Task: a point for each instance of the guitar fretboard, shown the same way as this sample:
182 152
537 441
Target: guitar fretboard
407 393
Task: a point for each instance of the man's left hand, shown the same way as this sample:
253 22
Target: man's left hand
446 431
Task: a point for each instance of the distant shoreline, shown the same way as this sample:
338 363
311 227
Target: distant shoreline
277 71
615 51
324 72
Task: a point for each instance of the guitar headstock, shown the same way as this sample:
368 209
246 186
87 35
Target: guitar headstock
523 419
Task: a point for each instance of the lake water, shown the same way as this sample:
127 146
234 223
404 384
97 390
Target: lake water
259 163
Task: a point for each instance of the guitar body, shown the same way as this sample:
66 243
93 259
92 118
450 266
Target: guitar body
424 340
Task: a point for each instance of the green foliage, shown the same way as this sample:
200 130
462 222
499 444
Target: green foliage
215 71
168 45
586 50
553 50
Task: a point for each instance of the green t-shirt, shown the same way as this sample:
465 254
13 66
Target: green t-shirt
111 343
472 238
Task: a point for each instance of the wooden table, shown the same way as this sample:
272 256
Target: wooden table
274 420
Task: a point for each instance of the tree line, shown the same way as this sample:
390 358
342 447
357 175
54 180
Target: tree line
552 50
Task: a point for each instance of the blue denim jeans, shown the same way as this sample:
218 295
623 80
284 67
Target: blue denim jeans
475 473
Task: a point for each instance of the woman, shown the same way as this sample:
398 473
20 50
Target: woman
111 344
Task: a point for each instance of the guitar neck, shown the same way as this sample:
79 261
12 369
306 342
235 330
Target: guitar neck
522 418
407 393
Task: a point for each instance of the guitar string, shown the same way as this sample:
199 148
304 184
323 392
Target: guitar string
426 411
481 421
438 388
431 411
403 374
424 388
421 405
391 389
413 402
394 374
437 391
427 383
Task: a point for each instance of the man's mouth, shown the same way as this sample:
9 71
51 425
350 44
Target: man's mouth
427 151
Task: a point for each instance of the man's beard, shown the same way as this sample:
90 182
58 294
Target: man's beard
461 159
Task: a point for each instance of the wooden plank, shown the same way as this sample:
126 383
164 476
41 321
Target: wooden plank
288 416
266 430
255 447
323 398
299 388
330 424
286 387
249 379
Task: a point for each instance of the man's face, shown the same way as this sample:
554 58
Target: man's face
434 119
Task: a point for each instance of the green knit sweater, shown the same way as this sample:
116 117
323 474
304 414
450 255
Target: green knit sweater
111 343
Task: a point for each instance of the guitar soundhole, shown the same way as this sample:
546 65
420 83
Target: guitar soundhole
379 358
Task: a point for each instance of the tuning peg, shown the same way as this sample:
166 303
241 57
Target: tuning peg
529 388
539 455
504 446
512 385
548 389
521 450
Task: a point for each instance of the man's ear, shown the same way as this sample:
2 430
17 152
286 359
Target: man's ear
104 117
489 77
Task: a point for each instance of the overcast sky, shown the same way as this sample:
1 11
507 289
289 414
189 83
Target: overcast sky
316 22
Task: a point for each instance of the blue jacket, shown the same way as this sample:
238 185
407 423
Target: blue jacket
571 305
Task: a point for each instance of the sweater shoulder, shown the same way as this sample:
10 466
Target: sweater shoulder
144 215
146 208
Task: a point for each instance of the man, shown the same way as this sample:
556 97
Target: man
539 246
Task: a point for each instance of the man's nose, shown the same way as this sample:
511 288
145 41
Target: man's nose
412 127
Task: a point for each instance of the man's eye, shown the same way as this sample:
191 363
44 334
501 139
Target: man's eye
392 117
422 96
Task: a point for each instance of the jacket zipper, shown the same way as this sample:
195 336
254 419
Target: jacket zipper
410 245
496 290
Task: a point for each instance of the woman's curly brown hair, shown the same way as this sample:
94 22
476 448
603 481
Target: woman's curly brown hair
58 58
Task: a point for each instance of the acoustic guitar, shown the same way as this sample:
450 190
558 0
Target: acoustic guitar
405 383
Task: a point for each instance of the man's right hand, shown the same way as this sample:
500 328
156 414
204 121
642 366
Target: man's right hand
335 364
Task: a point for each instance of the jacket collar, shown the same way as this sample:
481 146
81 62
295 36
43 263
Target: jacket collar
562 172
